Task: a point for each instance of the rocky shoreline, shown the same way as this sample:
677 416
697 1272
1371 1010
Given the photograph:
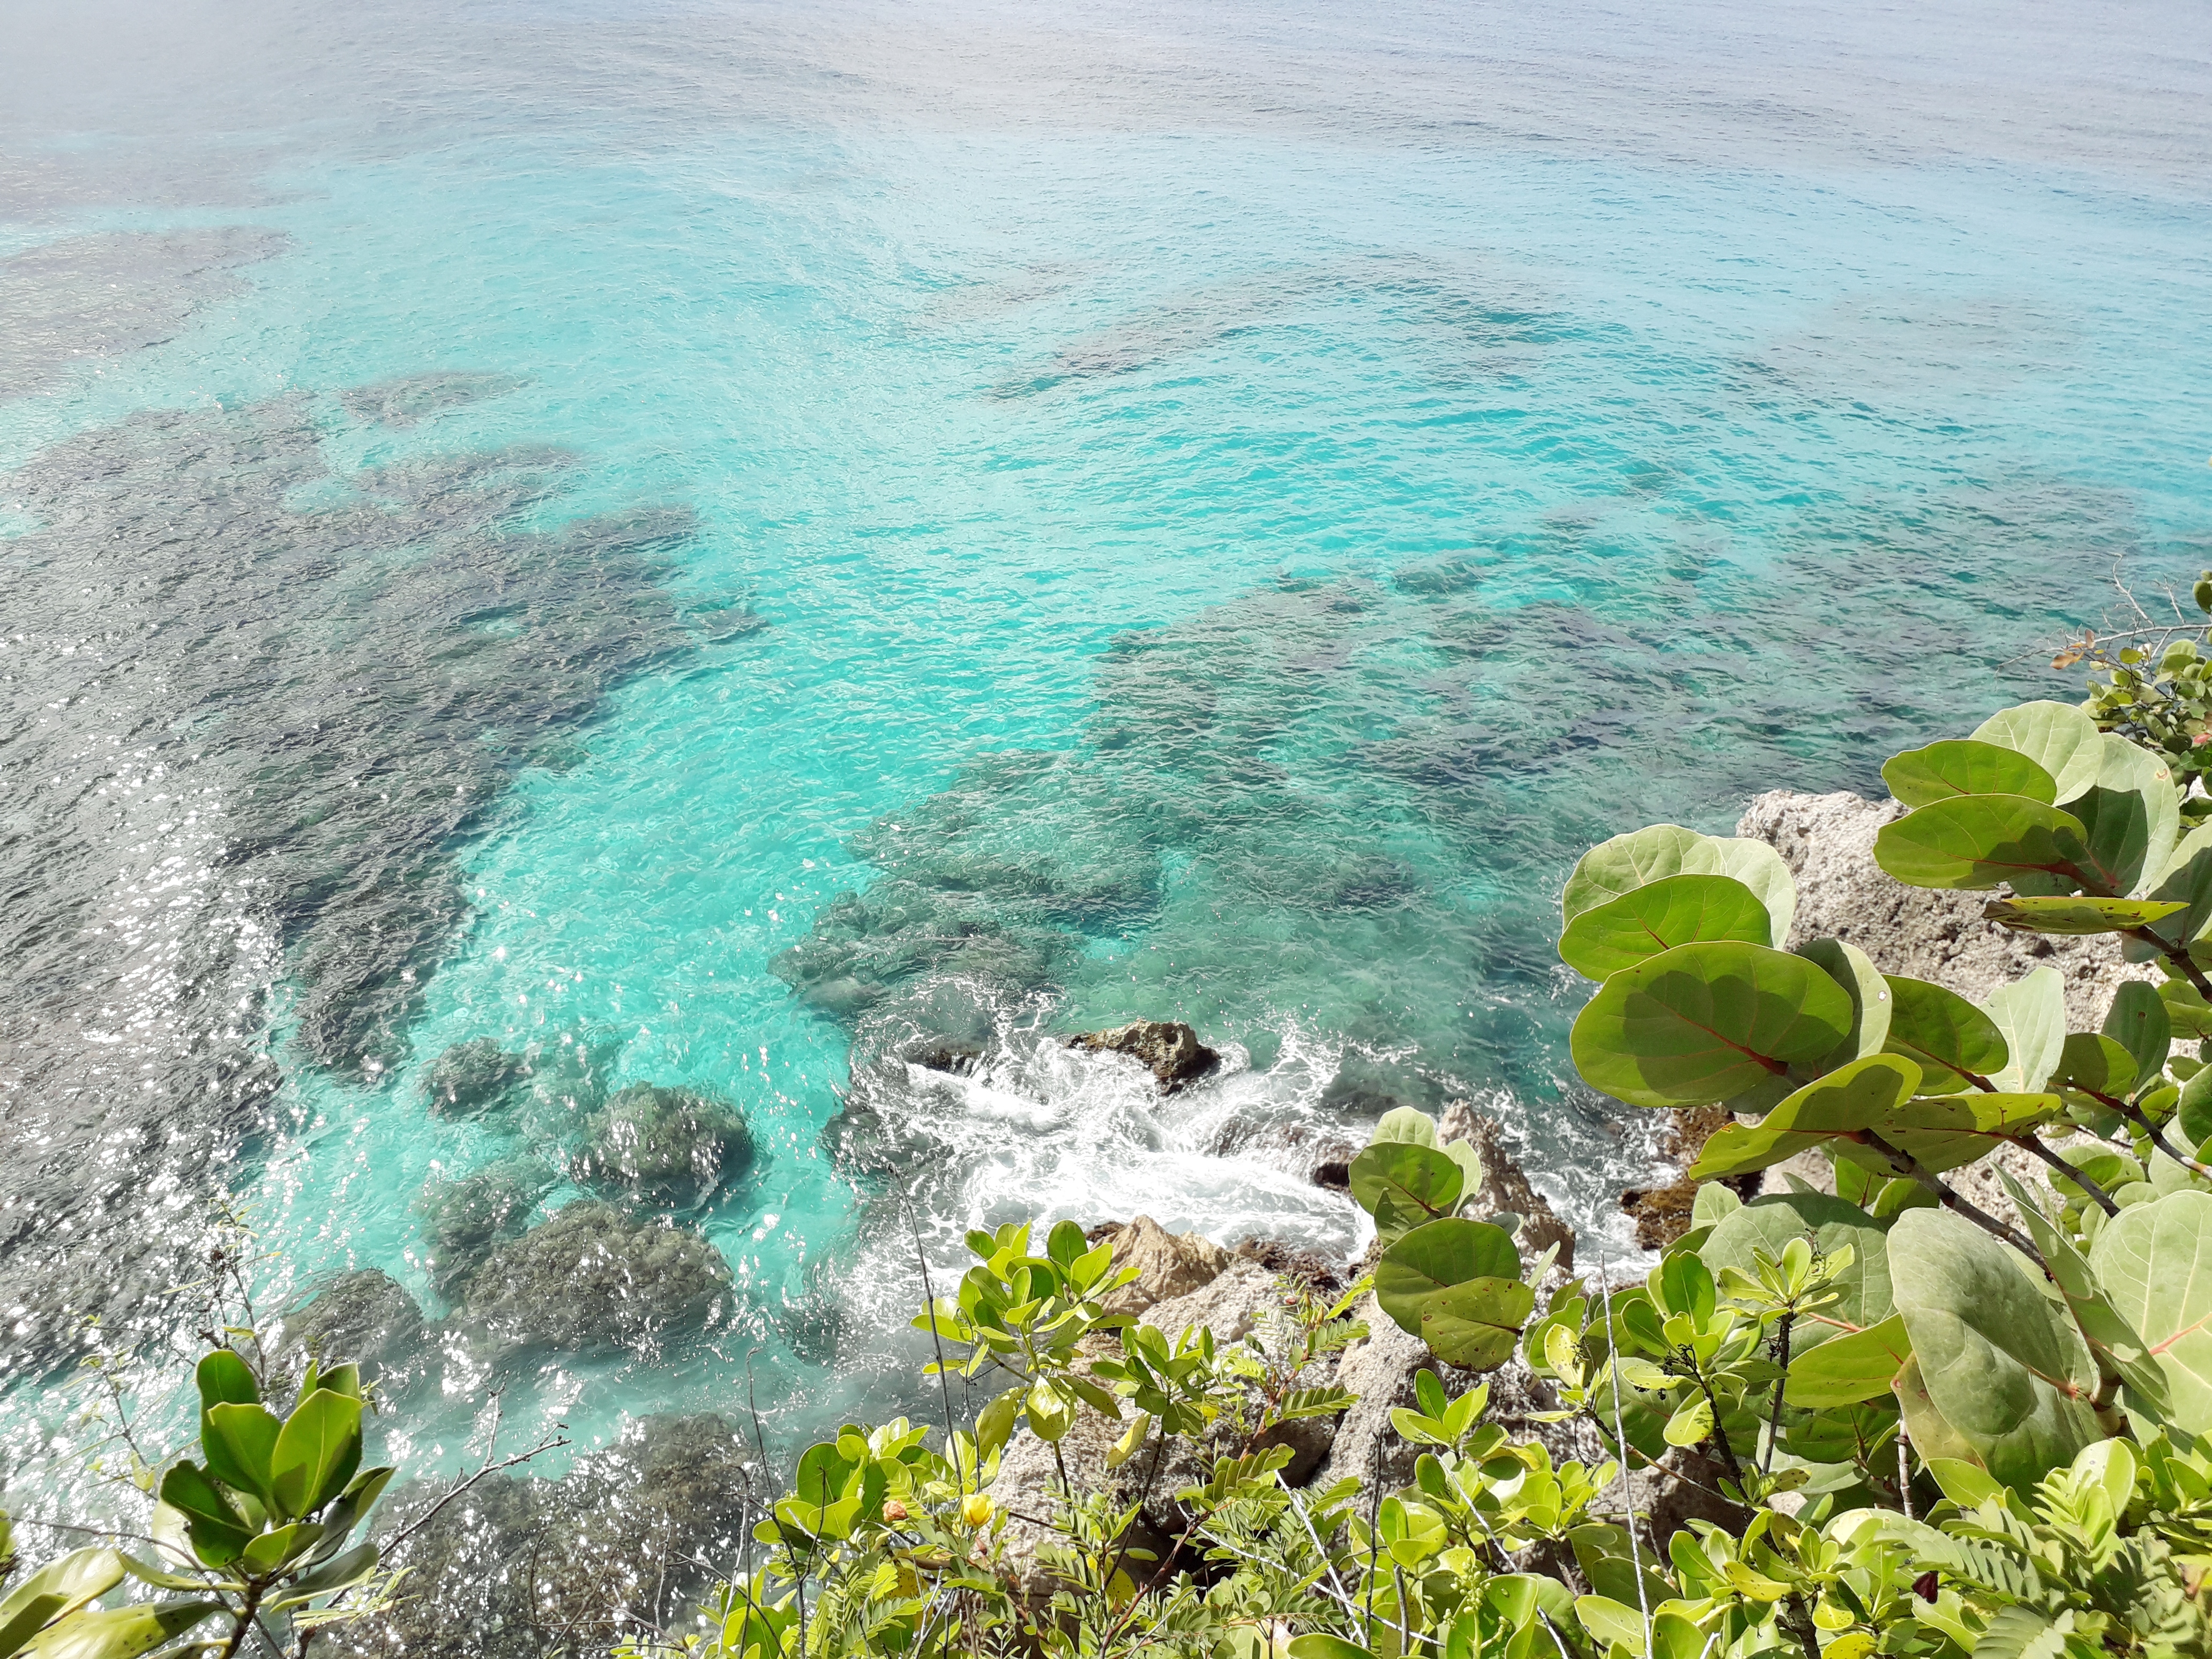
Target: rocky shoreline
601 1275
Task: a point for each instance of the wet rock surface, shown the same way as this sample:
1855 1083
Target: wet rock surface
1662 1212
590 1280
1320 1275
666 1145
366 1316
1317 1153
1505 1186
519 1566
473 1076
463 1220
1169 1050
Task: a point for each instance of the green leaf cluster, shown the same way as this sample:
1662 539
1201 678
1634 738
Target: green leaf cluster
255 1536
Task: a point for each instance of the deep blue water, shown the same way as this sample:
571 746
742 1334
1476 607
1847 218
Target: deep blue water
742 534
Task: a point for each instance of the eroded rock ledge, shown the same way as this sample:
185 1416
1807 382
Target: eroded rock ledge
1828 841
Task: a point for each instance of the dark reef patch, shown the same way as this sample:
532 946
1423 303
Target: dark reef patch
83 298
410 398
242 739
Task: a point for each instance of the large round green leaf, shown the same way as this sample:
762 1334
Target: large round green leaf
1849 1367
1954 1043
2118 1347
2187 880
2138 1022
2031 1013
1701 1023
1457 1284
1658 917
1871 1002
1420 1177
2095 1065
1627 862
2131 817
1978 840
1477 1324
1768 1224
2154 1262
2007 1372
1441 1254
1964 767
1759 867
1952 1131
1862 1095
2056 736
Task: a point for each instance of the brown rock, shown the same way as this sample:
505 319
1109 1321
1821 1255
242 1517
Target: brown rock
1168 1264
1662 1214
1170 1049
1317 1273
1505 1185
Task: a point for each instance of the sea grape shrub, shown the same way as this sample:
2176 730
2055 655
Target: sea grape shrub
888 1546
2153 687
252 1540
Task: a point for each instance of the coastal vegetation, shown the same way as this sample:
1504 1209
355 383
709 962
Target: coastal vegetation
1943 1388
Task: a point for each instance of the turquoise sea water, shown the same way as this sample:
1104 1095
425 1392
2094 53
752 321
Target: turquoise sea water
1186 516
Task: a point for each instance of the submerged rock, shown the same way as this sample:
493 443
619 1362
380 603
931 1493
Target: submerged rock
521 1566
464 1220
1319 1155
1662 1212
592 1280
955 1059
473 1076
666 1144
571 1077
401 402
1168 1047
865 947
366 1316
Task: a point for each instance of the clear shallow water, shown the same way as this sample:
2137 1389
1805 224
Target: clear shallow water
1189 518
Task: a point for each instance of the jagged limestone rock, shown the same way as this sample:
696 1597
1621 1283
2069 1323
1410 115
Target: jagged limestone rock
1169 1048
1168 1264
1505 1185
